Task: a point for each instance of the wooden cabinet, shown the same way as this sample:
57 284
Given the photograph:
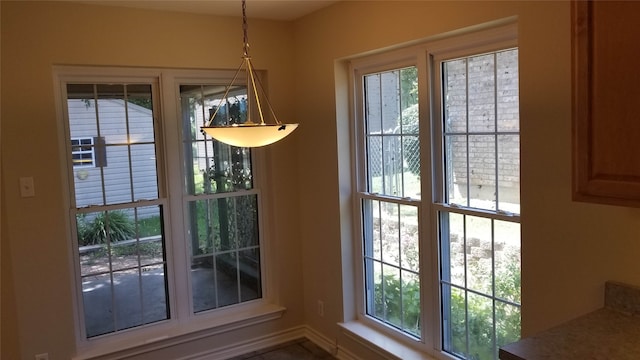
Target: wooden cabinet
606 101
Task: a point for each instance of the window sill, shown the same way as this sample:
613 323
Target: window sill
173 333
386 346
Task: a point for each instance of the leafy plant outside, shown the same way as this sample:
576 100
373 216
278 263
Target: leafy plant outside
404 312
115 225
480 321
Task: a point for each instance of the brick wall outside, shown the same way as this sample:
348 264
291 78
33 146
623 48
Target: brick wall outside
491 105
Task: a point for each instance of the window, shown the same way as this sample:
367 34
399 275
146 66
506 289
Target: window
391 198
222 203
82 153
479 216
118 209
458 201
130 265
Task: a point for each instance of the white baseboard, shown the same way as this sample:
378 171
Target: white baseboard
344 354
328 345
248 346
322 341
260 343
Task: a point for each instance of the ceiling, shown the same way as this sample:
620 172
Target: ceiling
262 9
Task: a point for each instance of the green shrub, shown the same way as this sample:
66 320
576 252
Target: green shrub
116 224
479 320
405 313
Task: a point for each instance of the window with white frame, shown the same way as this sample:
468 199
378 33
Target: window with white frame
478 208
461 202
390 198
82 152
222 202
130 268
121 242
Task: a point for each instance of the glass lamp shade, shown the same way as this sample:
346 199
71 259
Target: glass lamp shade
249 135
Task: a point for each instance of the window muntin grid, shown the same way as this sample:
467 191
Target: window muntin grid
481 133
117 209
121 116
390 203
479 221
391 133
221 202
82 152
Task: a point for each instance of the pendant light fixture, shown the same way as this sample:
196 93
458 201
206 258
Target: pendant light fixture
249 133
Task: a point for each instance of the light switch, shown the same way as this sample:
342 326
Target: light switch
26 187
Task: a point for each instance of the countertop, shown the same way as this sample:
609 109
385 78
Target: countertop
609 333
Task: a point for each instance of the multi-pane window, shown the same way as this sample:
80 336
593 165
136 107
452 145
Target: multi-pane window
479 215
82 152
118 209
389 202
221 200
461 202
135 274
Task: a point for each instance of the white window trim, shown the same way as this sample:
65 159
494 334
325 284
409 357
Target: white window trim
183 326
486 38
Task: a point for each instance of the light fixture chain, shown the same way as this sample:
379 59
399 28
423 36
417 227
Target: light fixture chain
245 28
249 133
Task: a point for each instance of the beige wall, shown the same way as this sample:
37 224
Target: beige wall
37 35
569 249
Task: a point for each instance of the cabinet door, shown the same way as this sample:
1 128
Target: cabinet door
606 101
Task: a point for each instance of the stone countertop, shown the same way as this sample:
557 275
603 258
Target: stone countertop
610 333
